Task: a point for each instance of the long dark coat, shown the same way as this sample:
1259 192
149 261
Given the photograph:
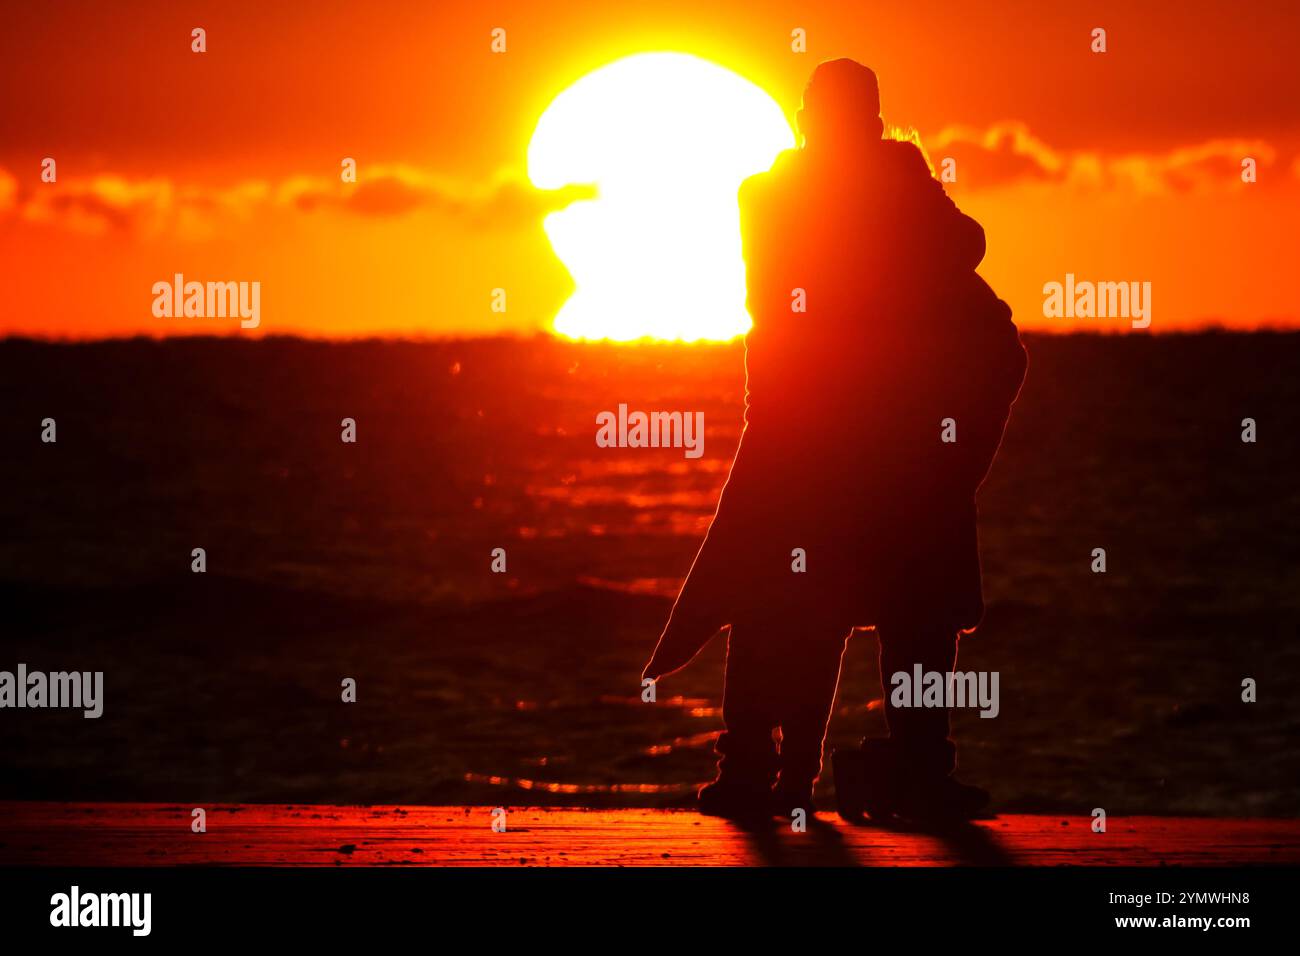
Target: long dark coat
842 454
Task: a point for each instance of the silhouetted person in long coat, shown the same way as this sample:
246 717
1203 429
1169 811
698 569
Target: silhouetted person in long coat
880 374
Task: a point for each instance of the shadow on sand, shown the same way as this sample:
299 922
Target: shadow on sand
822 845
962 844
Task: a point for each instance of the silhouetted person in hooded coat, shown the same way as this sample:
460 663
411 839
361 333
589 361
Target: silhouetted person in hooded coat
873 341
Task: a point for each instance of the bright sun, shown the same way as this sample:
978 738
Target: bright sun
666 138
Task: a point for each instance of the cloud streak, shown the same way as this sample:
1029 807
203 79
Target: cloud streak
152 208
397 190
1003 155
1008 153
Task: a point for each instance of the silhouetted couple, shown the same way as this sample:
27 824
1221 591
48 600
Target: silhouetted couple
880 373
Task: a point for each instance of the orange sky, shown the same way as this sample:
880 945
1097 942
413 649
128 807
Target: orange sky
224 166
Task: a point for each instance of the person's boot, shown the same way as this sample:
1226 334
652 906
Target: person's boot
746 772
747 802
742 803
848 769
880 778
942 799
916 786
865 778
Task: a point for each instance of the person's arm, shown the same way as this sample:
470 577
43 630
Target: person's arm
953 237
993 363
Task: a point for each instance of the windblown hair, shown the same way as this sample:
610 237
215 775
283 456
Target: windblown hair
908 134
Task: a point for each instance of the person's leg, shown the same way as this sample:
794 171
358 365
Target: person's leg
919 734
748 753
911 773
811 675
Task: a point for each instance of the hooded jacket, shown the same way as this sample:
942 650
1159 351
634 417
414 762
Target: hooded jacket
880 372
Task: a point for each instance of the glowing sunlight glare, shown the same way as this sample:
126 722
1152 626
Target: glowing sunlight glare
666 138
